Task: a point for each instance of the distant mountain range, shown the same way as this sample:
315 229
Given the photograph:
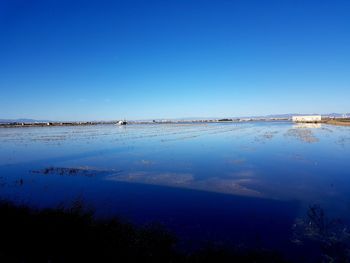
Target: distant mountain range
289 115
284 116
22 120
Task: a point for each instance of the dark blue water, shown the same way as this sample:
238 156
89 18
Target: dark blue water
234 182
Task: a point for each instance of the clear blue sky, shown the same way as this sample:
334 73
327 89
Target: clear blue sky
102 60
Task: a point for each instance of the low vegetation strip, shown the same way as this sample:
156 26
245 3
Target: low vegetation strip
75 171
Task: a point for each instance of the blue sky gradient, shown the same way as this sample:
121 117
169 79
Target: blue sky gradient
104 60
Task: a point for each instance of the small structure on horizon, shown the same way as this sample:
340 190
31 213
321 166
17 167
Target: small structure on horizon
307 118
124 122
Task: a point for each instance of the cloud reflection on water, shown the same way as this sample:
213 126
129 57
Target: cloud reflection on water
235 184
302 134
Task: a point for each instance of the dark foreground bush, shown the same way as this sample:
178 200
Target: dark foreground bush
73 235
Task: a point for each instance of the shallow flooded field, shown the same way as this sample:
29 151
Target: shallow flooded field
245 183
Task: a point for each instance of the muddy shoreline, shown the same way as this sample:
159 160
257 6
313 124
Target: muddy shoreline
345 122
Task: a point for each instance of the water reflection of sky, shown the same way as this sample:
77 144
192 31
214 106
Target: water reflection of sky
163 168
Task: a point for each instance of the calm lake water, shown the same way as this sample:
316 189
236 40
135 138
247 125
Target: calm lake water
238 182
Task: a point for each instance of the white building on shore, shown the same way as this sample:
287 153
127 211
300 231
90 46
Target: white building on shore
307 118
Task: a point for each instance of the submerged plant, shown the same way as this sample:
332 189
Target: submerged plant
332 236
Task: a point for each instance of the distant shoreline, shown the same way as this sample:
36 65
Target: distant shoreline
90 123
330 121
